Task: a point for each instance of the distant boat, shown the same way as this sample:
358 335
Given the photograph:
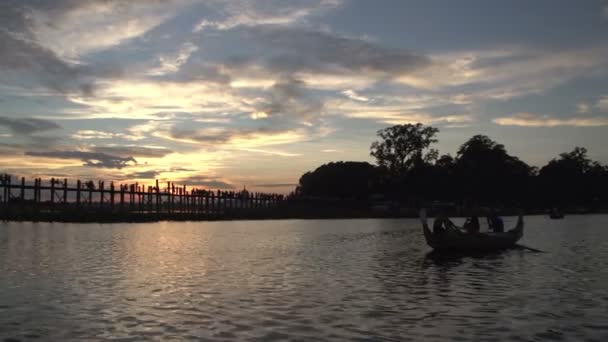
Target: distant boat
477 242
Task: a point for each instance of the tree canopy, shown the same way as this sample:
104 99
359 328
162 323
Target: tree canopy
573 177
570 164
485 170
339 179
402 147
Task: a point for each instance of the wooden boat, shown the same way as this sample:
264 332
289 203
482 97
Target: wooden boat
479 242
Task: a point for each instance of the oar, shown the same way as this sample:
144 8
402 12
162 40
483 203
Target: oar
530 248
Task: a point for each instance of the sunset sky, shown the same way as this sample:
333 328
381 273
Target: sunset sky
226 94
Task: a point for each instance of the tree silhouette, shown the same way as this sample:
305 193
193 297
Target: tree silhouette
481 173
573 178
402 147
340 179
486 172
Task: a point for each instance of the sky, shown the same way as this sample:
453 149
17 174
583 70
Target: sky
241 93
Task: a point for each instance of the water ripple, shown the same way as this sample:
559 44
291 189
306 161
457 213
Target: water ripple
298 280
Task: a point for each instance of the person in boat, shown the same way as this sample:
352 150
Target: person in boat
495 223
442 224
471 225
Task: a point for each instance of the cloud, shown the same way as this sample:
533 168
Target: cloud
150 174
583 108
127 151
92 134
242 138
397 111
147 99
141 131
93 159
207 136
135 133
155 173
23 62
10 149
537 120
61 28
257 140
508 72
288 102
322 52
28 126
172 63
602 104
270 152
27 62
305 62
254 13
207 182
31 130
351 94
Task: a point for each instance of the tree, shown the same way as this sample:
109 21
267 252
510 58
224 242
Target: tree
571 164
402 147
339 180
573 178
445 162
487 173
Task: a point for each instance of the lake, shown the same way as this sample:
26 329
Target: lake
298 280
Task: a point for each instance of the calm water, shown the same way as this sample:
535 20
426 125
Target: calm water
298 280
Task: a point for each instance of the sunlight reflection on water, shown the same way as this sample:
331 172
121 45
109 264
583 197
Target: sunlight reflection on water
297 279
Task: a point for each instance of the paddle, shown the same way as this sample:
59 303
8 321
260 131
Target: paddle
530 248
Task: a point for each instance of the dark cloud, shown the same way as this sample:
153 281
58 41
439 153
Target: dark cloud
133 151
315 51
153 174
94 159
289 53
207 182
207 137
16 16
28 126
10 149
150 174
288 100
18 54
29 129
218 136
28 61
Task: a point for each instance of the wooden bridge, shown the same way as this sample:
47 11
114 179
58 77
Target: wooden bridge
87 201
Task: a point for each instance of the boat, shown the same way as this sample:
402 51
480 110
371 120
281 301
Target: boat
478 242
